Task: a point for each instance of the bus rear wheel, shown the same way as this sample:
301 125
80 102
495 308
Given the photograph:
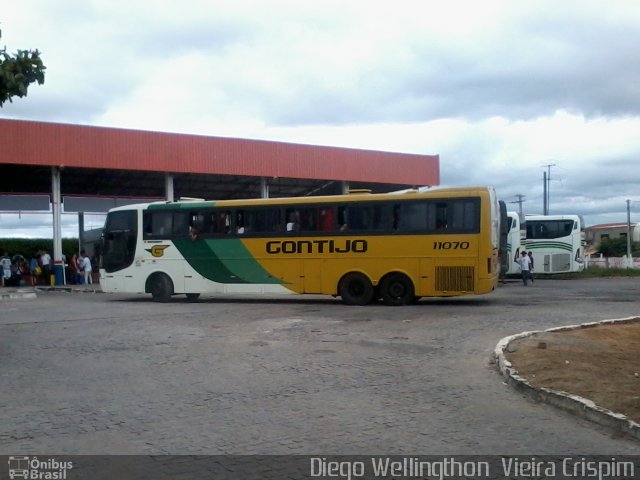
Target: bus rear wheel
356 289
397 289
160 287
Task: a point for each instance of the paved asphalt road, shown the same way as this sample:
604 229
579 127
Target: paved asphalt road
95 373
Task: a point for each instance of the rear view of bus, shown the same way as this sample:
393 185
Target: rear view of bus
361 247
556 242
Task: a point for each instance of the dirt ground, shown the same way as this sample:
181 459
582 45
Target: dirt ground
601 363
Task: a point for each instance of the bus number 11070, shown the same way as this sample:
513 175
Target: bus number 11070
450 245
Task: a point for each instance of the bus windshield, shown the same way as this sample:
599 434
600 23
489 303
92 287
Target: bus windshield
119 240
540 229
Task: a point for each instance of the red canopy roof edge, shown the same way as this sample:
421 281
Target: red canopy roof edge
65 145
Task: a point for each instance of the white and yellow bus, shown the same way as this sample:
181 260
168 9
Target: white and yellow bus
362 247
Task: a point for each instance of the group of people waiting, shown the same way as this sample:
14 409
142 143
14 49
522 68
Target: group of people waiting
80 269
39 269
14 268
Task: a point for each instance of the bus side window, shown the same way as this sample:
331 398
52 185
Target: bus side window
343 219
308 217
273 220
396 217
292 217
222 223
147 225
239 223
441 216
180 224
326 219
412 217
161 223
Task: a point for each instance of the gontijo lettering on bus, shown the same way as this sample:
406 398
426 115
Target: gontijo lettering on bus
316 246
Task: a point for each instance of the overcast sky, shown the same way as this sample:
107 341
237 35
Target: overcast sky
496 88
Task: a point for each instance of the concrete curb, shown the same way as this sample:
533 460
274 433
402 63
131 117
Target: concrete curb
575 404
68 289
17 294
31 293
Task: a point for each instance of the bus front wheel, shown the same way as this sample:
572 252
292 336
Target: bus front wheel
356 289
160 287
397 289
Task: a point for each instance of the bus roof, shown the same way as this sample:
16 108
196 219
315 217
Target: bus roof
552 217
353 197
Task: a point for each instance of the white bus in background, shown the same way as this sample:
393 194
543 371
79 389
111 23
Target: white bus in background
557 243
514 239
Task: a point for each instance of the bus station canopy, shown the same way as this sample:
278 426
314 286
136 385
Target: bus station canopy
111 162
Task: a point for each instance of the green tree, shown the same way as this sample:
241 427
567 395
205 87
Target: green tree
18 72
617 247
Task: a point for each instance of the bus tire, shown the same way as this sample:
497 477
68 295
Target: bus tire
192 297
356 289
397 289
160 287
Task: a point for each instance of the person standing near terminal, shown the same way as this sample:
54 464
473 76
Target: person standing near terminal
74 270
5 268
45 262
33 271
531 266
525 265
85 266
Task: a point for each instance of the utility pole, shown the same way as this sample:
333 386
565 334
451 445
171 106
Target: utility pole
546 179
629 259
545 206
520 201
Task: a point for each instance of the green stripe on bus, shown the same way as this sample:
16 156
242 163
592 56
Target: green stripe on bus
224 261
543 245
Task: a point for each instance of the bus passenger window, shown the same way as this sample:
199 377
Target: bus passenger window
412 217
326 219
293 220
240 228
308 219
343 220
180 224
161 223
223 222
396 216
441 216
147 227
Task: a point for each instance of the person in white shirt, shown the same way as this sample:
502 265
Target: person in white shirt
525 266
5 268
45 263
85 267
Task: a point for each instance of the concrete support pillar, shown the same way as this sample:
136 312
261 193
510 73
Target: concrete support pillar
56 202
80 231
264 188
168 187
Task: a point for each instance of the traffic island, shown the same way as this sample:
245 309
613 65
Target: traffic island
590 370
